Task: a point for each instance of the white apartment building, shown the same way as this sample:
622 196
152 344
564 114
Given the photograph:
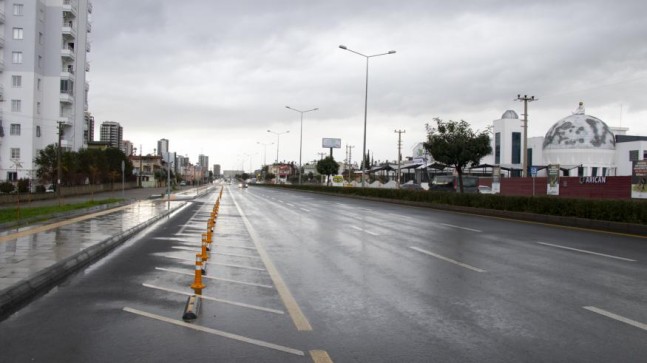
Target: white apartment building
43 65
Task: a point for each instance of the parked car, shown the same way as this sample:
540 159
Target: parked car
182 183
449 183
411 186
50 189
484 189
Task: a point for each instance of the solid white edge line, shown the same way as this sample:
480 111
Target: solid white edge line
459 227
221 333
585 251
204 297
215 278
357 228
447 259
617 317
365 231
305 210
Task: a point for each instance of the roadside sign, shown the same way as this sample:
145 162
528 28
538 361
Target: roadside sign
533 171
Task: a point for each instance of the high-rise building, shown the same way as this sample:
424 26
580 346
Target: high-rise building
216 170
129 148
112 133
42 79
88 134
203 162
162 147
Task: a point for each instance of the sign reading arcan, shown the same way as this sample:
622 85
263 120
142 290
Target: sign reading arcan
593 180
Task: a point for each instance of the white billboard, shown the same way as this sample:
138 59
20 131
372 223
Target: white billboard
331 143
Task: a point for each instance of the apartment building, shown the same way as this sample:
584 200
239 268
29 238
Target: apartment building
112 133
43 65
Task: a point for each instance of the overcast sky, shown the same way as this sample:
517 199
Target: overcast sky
213 76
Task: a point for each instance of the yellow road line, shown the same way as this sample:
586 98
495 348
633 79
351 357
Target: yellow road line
47 227
298 318
320 356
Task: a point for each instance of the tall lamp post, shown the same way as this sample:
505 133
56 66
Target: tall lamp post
278 141
301 136
365 100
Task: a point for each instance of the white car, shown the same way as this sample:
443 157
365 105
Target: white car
484 189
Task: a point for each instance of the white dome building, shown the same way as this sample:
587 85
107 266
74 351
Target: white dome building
581 141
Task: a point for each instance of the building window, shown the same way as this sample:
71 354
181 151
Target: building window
16 57
497 148
516 148
633 155
18 33
38 84
40 38
18 9
12 176
38 108
40 61
14 129
594 171
16 105
41 14
15 153
529 160
37 132
16 81
580 171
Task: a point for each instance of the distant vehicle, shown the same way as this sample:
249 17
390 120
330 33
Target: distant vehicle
242 185
449 183
182 183
411 186
50 189
484 189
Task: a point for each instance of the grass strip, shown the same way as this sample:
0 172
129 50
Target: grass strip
11 214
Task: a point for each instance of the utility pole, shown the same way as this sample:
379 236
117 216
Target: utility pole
321 155
349 151
525 99
58 157
399 132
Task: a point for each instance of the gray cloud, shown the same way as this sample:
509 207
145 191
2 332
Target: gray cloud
228 68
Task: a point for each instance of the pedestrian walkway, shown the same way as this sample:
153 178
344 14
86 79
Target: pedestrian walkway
33 259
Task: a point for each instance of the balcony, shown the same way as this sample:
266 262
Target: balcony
1 65
67 72
69 7
87 66
66 97
89 7
68 53
68 30
1 41
2 17
89 27
88 47
66 120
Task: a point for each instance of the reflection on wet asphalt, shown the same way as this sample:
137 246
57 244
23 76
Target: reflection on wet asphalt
28 254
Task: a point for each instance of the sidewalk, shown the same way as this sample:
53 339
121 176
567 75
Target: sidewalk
34 259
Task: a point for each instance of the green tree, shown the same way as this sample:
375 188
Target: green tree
327 167
46 162
454 143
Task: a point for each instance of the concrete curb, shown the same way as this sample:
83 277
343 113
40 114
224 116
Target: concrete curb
21 293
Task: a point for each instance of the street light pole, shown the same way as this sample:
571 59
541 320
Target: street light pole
301 136
278 141
365 100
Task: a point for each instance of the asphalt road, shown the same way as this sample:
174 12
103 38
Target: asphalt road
300 277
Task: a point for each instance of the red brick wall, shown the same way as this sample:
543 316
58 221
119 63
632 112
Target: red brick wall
616 187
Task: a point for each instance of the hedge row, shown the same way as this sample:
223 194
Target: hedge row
626 211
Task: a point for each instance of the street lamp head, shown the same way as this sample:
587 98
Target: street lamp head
343 47
269 131
391 52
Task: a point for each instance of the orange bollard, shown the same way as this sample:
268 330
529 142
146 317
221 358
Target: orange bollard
197 285
205 257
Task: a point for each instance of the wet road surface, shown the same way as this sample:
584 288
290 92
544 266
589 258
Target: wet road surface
298 276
